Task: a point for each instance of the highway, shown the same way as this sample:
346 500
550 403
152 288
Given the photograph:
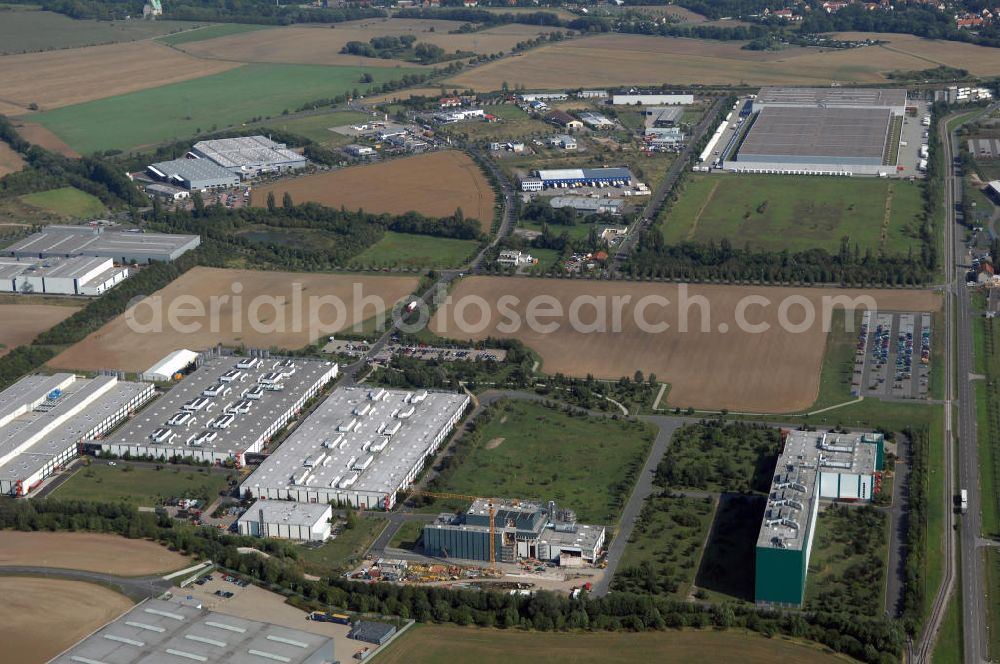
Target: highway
959 364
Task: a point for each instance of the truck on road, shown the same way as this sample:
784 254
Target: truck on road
965 501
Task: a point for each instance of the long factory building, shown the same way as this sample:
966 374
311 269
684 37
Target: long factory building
362 446
814 465
161 631
44 421
577 177
121 246
822 131
81 275
225 409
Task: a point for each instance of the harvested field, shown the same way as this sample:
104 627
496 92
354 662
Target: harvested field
263 318
91 552
713 364
600 60
321 44
10 161
23 322
38 135
33 606
928 53
433 184
27 31
440 644
60 78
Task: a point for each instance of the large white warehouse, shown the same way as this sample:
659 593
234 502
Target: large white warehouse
45 419
359 447
81 275
283 519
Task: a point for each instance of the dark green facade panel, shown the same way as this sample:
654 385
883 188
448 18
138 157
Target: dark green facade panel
780 576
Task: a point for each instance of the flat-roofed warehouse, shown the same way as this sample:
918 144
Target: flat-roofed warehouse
285 519
249 156
360 447
813 465
893 99
161 631
194 174
44 419
81 275
817 139
227 408
119 245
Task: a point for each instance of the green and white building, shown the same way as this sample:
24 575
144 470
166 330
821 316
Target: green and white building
814 466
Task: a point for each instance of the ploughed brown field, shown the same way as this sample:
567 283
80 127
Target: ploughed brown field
24 322
91 552
59 78
264 315
611 59
321 45
40 618
434 184
38 135
10 161
724 366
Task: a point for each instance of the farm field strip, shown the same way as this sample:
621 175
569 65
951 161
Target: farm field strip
10 161
776 371
91 552
434 184
237 322
23 322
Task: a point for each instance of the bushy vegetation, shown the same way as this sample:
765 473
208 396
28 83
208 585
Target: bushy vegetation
720 456
847 567
403 47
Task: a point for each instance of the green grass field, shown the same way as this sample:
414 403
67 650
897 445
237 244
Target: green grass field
181 110
406 250
317 127
796 212
345 550
66 201
30 30
948 649
443 644
992 565
662 556
209 32
142 486
408 535
531 452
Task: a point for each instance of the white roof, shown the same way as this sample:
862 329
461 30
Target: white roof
171 364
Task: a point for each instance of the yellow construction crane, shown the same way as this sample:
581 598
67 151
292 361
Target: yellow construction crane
491 502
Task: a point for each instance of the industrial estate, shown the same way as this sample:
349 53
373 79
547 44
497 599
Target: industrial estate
402 331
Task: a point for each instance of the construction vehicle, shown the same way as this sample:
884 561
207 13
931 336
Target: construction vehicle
491 502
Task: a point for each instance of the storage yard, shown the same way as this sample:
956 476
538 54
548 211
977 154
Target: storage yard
118 346
433 184
776 371
23 322
32 605
227 408
360 447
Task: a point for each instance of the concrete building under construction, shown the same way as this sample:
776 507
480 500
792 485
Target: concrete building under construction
521 530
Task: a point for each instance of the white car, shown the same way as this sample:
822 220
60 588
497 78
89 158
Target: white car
112 463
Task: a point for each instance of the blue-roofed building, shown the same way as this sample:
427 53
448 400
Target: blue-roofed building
584 177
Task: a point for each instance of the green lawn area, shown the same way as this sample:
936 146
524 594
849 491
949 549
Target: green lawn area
408 535
27 30
795 212
663 553
209 32
67 201
180 110
317 127
345 550
948 649
934 547
531 452
988 427
407 250
547 258
142 486
577 231
848 563
992 565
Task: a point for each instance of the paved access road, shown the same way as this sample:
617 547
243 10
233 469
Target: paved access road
136 588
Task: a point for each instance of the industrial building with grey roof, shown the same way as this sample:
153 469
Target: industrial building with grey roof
44 419
160 631
227 408
361 446
194 174
835 131
249 156
123 246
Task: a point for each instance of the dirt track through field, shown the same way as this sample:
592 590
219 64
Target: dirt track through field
259 318
777 370
40 618
24 322
91 552
60 78
434 184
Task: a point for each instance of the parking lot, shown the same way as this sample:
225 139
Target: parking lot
893 356
359 348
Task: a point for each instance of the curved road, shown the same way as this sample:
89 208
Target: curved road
135 588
